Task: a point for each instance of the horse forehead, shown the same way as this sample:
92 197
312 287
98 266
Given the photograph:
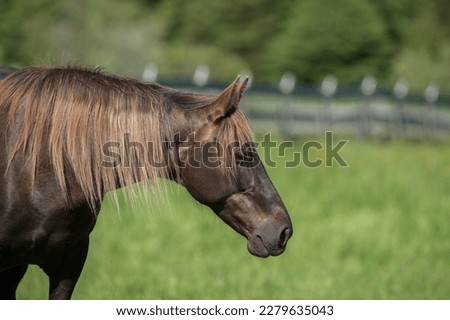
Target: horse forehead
207 133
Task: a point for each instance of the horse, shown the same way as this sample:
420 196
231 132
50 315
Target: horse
70 135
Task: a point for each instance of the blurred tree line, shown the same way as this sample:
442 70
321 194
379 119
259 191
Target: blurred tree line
312 38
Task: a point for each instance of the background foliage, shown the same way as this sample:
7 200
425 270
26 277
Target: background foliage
350 38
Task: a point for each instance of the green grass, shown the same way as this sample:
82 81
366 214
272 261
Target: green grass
379 229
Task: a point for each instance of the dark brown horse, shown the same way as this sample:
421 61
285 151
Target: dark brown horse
69 135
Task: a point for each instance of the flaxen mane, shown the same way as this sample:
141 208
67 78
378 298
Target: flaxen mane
66 115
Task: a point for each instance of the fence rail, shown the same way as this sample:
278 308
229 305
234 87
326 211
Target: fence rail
364 111
307 111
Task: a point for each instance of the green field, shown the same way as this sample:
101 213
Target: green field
379 229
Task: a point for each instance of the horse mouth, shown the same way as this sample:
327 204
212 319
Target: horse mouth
256 247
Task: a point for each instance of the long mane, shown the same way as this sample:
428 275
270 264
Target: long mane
66 115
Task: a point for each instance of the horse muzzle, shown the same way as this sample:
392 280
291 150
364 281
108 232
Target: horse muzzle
270 240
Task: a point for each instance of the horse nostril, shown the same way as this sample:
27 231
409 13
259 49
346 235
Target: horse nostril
284 237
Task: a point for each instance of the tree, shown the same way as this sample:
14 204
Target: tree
350 38
424 56
346 38
121 36
22 29
239 29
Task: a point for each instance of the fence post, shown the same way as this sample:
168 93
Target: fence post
201 75
368 87
286 86
430 117
150 73
400 92
328 89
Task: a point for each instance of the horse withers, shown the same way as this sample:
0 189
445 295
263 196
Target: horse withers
70 135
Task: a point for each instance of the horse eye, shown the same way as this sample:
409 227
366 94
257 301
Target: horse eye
239 156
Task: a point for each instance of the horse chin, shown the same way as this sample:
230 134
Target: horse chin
256 247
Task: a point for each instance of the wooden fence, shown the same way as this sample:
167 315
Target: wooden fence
306 111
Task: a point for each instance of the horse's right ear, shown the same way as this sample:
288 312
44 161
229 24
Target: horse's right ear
228 101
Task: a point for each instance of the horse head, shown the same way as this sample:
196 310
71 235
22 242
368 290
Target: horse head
218 164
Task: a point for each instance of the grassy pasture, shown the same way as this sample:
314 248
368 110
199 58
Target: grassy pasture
379 229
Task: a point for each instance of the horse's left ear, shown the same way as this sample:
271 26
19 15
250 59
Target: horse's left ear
228 100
